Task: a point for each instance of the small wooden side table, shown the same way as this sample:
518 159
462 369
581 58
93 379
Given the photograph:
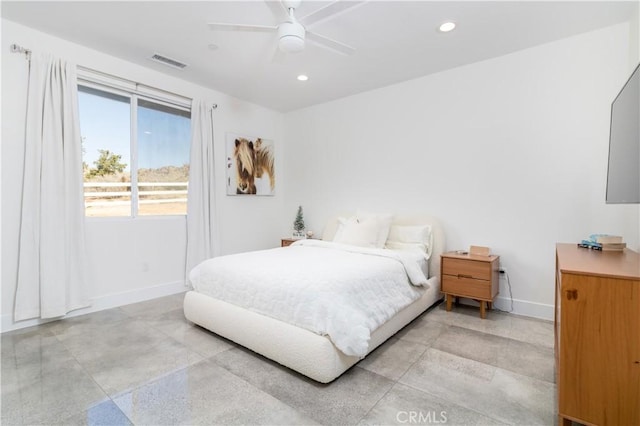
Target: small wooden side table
286 242
472 276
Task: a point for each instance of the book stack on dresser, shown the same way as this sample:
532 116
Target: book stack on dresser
604 242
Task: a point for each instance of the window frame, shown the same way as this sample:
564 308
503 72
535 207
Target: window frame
134 92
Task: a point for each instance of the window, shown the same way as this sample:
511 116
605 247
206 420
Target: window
135 153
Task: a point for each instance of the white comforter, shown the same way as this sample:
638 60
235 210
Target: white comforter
345 292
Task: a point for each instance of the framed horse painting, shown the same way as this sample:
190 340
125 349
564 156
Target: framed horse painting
250 165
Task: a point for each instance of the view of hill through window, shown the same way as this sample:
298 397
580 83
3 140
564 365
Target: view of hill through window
133 173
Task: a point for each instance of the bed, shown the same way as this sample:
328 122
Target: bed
316 354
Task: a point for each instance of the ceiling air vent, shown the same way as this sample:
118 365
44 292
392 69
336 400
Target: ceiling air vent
168 61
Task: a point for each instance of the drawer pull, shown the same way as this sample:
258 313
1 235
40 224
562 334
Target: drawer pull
464 276
572 294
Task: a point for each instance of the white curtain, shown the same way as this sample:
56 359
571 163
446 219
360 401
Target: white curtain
51 262
201 214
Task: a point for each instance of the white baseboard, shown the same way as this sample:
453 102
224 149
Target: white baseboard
104 302
525 308
520 307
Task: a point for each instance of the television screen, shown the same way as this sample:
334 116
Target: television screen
623 176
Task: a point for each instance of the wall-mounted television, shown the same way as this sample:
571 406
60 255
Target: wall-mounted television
623 174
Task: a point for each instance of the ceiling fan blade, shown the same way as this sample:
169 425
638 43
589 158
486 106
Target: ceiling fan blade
241 27
277 9
330 44
328 11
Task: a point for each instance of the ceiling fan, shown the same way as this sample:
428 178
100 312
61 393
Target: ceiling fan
292 33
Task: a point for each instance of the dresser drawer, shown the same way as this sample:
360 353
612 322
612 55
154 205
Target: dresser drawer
467 287
467 268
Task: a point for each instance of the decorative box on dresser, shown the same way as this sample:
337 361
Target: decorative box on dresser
597 336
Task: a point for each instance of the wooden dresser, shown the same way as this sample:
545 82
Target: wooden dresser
597 332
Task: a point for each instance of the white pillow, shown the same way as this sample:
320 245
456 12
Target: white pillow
405 236
395 245
363 233
342 221
410 233
384 224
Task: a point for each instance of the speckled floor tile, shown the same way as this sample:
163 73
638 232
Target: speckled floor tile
423 330
205 394
199 340
118 372
343 401
153 307
104 413
48 389
471 344
530 330
497 393
529 360
404 405
393 358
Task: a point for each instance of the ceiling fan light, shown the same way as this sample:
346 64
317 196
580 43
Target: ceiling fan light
291 37
291 44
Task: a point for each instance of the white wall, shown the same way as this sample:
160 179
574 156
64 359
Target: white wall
509 153
634 38
137 259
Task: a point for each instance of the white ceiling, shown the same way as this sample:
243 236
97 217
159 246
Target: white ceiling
395 40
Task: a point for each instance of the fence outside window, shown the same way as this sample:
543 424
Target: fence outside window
110 199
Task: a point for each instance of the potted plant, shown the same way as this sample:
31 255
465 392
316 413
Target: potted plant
298 224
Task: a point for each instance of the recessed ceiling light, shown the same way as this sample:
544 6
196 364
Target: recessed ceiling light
212 46
303 77
446 27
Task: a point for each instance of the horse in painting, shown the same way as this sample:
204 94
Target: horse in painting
245 157
253 161
264 163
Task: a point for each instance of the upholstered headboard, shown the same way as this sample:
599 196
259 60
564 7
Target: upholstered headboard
437 248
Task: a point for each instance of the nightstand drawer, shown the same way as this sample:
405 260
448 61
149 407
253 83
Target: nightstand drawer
467 287
467 268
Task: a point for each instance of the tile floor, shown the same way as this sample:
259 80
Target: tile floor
144 364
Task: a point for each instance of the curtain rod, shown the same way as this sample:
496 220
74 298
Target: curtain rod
15 48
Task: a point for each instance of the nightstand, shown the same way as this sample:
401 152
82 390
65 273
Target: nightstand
286 242
472 276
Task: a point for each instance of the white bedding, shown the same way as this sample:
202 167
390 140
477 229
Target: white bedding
345 292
